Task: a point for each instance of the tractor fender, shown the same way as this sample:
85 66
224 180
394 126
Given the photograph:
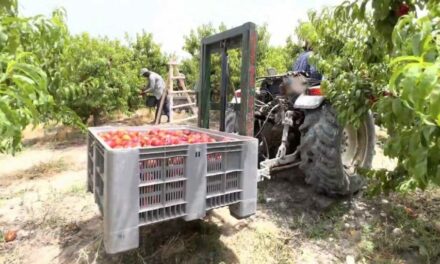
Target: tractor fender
308 101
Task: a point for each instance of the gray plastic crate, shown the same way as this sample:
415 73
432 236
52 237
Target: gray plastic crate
142 186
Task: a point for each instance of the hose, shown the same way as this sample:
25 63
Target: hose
267 118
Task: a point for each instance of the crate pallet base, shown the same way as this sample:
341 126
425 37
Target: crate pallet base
142 186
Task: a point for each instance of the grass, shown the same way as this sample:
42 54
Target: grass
46 168
43 169
267 244
419 237
77 189
401 234
403 229
7 196
320 225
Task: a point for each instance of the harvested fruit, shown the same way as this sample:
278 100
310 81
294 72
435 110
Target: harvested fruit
10 235
155 138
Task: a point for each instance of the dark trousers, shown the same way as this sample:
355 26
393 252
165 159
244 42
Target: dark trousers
165 109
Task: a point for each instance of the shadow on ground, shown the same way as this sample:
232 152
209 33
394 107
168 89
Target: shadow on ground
294 204
174 241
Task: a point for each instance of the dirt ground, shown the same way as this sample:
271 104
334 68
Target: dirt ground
43 197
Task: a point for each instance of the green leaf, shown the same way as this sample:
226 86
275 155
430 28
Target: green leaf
381 8
397 107
417 44
406 59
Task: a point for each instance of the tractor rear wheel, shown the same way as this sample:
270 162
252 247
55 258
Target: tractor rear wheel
330 153
231 124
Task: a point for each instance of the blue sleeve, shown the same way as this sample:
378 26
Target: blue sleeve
302 64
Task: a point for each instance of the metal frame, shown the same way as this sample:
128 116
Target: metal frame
245 38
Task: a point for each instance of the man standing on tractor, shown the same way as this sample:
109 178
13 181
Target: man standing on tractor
156 85
302 63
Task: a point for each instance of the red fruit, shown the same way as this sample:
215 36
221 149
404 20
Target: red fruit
167 140
175 141
402 10
126 137
111 143
193 140
118 141
119 133
155 142
147 142
186 132
10 235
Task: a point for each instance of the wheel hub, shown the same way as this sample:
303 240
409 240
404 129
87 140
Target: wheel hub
349 148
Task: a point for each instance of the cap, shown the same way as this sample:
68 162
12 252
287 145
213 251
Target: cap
143 71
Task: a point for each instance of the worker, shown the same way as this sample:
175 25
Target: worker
302 63
156 86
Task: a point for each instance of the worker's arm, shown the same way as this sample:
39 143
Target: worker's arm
144 90
149 87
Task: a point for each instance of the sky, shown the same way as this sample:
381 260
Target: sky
171 20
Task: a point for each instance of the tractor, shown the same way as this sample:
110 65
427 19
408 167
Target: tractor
294 123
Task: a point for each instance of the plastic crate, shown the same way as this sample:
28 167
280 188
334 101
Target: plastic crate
142 186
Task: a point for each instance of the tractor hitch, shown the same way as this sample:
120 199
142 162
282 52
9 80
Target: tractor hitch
271 166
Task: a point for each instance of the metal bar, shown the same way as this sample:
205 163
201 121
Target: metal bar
233 32
283 167
205 87
234 43
183 105
247 82
184 119
184 91
223 86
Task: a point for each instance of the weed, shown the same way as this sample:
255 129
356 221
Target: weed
77 189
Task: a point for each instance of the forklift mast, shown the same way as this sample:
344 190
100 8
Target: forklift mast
244 38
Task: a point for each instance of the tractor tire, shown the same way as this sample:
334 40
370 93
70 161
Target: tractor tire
323 149
231 123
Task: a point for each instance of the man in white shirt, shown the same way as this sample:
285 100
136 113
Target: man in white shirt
156 86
